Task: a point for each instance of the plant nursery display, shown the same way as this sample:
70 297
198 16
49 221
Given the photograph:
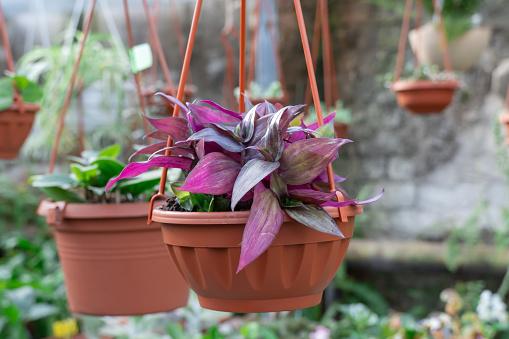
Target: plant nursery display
467 40
113 263
427 91
265 161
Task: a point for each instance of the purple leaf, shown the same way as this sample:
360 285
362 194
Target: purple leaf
262 227
248 124
175 150
273 141
290 113
213 174
200 148
149 149
316 218
326 120
204 114
265 154
310 196
277 185
195 125
136 168
304 160
354 201
176 127
211 135
252 173
220 108
260 129
157 135
174 100
265 108
228 128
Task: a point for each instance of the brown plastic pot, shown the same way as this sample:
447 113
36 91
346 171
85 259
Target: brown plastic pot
424 96
504 120
291 274
113 262
15 128
341 129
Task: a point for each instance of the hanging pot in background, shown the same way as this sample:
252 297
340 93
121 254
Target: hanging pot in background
113 262
504 120
15 128
291 274
464 51
424 96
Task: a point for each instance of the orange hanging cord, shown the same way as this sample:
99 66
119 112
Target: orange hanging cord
314 91
242 57
137 74
180 95
68 94
10 61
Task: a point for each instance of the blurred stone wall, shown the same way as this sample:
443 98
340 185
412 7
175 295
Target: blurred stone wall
436 170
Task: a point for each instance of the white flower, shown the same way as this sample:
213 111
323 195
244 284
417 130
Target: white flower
320 333
491 308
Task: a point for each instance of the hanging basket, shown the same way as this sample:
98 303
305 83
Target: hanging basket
113 262
424 96
341 129
291 274
15 128
464 52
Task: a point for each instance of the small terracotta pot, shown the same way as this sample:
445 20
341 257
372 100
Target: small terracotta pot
504 120
464 52
15 128
424 96
341 129
113 262
291 274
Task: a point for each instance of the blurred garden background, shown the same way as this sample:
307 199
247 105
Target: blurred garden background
429 260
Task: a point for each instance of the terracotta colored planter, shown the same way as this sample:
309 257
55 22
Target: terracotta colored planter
341 129
464 52
113 262
424 96
291 274
15 128
504 120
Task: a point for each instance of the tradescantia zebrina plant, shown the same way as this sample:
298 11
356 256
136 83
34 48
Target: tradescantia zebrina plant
267 156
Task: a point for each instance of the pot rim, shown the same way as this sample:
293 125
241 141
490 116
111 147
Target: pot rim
101 211
416 85
215 218
29 107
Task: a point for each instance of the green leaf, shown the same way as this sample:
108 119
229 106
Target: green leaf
6 93
202 202
84 173
31 93
112 151
53 180
327 130
175 331
21 82
59 194
179 194
108 168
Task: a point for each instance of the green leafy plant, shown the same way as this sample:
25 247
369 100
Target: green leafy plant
32 292
457 15
255 91
29 90
343 114
89 176
104 66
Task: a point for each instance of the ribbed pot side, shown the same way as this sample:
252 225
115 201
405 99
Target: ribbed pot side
15 128
113 262
291 274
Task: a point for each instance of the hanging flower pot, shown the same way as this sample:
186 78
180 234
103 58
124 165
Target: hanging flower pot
464 51
424 96
291 274
15 127
113 262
